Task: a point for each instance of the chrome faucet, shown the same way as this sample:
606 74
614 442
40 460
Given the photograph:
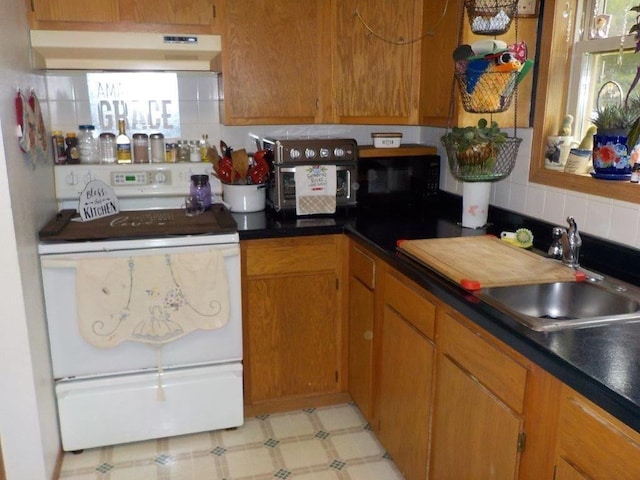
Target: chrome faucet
566 244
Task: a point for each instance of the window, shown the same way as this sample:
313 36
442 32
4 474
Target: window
603 63
558 29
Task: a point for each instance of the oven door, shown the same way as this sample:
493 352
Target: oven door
72 356
284 195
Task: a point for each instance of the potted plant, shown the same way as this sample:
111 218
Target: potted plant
473 151
617 134
477 156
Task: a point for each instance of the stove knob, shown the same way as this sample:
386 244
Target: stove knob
160 177
294 153
310 153
72 179
325 153
338 152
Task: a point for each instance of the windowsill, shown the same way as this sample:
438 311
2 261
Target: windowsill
617 190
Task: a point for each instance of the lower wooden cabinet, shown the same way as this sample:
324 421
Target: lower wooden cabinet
364 270
478 415
292 305
592 444
406 374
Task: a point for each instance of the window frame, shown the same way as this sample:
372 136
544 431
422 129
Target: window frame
551 104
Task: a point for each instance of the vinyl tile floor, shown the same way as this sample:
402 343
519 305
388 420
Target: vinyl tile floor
328 443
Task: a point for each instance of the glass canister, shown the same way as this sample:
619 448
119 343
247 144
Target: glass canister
108 151
140 148
194 151
184 152
156 145
88 145
201 188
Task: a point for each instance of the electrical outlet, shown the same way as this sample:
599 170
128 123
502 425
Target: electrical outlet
527 7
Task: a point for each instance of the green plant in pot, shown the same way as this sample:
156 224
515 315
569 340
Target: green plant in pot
473 151
618 126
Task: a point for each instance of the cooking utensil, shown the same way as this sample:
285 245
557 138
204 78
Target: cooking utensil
240 161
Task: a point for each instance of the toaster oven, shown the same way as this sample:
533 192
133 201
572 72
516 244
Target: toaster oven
288 155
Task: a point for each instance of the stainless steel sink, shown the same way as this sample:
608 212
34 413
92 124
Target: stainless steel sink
555 306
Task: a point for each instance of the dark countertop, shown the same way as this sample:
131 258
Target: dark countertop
602 363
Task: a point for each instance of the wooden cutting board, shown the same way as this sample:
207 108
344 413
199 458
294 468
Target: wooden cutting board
485 261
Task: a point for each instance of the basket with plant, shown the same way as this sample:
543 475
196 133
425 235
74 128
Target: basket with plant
480 153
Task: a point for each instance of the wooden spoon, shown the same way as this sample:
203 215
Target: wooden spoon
240 164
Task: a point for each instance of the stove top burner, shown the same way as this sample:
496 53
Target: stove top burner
138 224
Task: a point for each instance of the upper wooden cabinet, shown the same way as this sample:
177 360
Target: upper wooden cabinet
276 62
388 68
316 62
167 16
373 77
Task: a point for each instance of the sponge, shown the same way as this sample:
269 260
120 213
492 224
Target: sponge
521 238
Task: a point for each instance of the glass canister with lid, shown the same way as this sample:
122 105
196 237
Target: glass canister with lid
107 145
88 144
158 154
201 188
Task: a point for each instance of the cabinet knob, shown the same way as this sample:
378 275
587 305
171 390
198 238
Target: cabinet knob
368 335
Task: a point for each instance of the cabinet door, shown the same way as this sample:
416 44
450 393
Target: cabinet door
479 405
405 388
174 12
564 471
594 443
99 11
292 331
475 434
292 310
373 76
361 315
276 61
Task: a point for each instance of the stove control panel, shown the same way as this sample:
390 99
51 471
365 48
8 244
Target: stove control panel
121 179
142 185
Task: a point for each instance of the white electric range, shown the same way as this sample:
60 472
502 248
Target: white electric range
180 369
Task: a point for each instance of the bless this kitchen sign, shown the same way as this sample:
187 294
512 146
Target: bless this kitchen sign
148 102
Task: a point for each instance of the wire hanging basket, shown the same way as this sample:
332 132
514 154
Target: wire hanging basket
490 17
486 92
483 162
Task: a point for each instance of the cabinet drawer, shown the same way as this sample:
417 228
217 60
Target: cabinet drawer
362 267
285 256
409 303
598 444
494 369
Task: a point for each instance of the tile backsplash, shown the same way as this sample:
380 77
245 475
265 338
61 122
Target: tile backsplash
67 105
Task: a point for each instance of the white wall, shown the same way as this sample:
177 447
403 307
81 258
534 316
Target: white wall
603 217
28 426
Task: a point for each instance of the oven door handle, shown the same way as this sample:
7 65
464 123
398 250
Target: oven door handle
71 260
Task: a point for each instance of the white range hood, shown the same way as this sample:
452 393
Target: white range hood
124 51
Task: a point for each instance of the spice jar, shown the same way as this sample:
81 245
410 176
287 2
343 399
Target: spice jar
156 141
201 189
107 145
171 152
140 148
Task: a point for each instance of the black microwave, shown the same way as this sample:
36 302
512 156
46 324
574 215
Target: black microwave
398 177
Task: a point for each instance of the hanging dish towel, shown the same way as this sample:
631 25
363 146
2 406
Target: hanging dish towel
153 299
315 189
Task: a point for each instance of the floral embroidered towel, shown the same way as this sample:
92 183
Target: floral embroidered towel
150 298
315 189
